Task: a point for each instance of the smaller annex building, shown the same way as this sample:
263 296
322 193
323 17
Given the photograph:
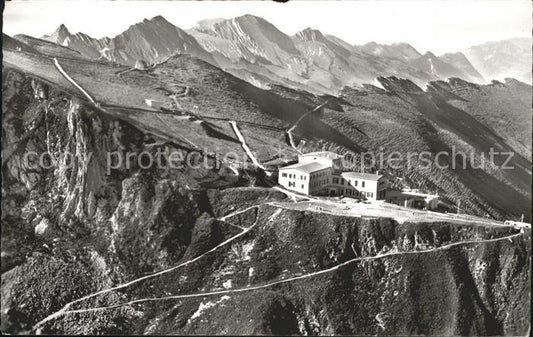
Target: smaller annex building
354 184
320 173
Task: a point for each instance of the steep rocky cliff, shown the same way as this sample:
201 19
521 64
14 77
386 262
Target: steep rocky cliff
72 227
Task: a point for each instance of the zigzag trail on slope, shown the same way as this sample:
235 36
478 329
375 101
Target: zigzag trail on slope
289 132
306 114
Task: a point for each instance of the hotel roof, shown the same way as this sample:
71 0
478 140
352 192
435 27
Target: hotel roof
325 154
363 176
307 168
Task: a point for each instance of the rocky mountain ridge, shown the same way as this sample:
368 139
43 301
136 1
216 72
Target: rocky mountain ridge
441 67
461 62
400 50
80 42
256 51
352 122
510 58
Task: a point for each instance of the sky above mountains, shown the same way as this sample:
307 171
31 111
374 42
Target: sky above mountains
439 26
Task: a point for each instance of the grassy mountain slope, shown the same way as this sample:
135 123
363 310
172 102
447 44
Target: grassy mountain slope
217 97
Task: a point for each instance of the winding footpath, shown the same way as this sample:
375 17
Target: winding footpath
291 141
71 80
225 217
247 149
295 125
91 99
291 279
64 311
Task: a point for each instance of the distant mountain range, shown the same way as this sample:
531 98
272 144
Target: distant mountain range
507 58
253 49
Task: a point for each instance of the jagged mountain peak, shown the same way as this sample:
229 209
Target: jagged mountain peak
154 29
207 23
370 44
80 42
407 48
446 67
158 19
403 45
255 26
245 24
250 18
461 62
399 50
246 19
62 29
247 37
456 54
59 35
310 34
250 21
152 41
309 54
500 59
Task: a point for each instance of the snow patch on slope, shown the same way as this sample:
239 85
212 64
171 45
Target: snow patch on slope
203 307
378 84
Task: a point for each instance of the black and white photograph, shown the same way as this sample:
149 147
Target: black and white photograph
265 168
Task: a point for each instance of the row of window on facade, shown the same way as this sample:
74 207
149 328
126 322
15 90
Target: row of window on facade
336 181
318 182
293 184
359 193
293 176
302 177
318 175
311 184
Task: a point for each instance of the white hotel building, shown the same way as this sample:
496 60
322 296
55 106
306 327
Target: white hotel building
320 173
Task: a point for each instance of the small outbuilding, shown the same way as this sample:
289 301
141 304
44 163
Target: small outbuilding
153 103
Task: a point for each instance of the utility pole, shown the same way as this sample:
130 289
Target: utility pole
522 218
